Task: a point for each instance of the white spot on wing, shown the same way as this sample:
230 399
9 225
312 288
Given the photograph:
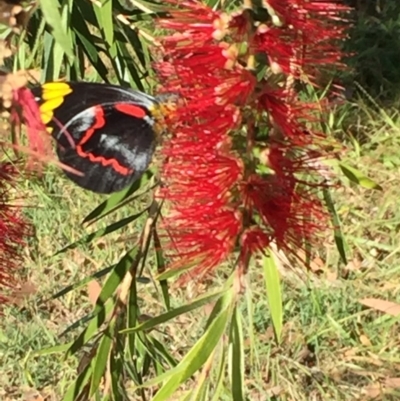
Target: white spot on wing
136 160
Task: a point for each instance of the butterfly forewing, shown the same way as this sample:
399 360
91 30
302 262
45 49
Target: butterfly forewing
104 131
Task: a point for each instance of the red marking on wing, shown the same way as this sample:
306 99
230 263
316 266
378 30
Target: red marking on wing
99 123
131 110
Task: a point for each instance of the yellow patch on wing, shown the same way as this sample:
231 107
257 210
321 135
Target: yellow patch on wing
51 90
53 94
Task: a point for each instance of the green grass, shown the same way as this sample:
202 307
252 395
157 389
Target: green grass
332 348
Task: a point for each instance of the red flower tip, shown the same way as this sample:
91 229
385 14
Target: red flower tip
205 236
253 240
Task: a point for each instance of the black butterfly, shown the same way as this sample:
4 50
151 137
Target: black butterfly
104 131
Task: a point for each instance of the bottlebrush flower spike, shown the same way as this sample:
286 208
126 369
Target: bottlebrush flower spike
13 233
24 109
222 197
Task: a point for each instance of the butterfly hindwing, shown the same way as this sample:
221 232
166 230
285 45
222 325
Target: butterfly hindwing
104 131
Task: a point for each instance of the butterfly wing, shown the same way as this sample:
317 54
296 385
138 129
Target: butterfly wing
104 131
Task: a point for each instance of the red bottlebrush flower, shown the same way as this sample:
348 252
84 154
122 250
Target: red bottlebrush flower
25 110
220 195
13 232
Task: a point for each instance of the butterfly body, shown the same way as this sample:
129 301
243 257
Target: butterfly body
103 131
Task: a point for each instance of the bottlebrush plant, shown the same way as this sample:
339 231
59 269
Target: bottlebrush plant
240 170
14 230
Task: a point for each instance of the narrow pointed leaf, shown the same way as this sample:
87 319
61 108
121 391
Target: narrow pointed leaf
158 351
237 357
116 367
109 205
359 178
196 357
198 354
101 232
132 317
53 350
78 385
116 277
92 328
219 383
101 359
83 282
274 294
78 323
161 267
165 317
87 42
339 237
104 15
51 13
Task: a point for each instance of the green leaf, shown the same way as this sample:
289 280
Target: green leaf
51 13
91 329
116 367
116 277
219 383
200 391
101 359
251 358
340 240
33 54
104 15
169 273
161 267
274 294
53 350
58 58
78 323
132 37
358 178
131 69
104 304
157 350
165 317
87 42
102 232
47 63
78 385
132 317
83 282
237 357
112 202
197 355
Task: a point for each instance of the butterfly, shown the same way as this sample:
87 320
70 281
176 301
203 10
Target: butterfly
104 131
